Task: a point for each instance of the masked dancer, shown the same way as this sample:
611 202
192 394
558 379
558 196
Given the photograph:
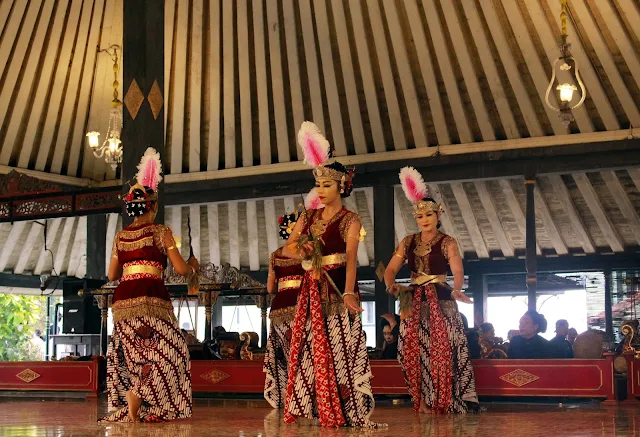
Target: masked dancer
432 348
284 280
148 365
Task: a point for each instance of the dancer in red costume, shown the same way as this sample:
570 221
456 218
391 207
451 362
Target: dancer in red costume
432 348
329 371
285 278
148 368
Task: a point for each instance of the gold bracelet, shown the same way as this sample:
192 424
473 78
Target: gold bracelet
114 256
399 256
349 293
170 247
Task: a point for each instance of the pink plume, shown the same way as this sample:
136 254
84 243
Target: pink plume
150 169
413 185
312 200
315 147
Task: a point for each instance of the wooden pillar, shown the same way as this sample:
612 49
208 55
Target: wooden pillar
608 302
96 246
530 185
480 291
384 245
144 101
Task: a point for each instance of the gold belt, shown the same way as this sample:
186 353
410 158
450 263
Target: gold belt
137 269
336 258
429 279
291 283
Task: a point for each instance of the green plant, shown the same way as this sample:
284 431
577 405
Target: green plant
19 317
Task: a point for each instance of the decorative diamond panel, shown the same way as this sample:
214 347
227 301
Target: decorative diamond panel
155 99
28 375
215 376
519 378
133 99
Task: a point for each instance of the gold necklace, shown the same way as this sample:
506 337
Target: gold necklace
319 226
423 248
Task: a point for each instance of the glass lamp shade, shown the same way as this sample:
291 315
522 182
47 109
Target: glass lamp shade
93 139
566 91
114 144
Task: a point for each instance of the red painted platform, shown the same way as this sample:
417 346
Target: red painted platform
565 378
63 376
513 378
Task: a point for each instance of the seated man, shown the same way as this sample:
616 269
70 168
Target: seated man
560 346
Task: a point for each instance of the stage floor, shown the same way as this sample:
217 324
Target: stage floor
34 418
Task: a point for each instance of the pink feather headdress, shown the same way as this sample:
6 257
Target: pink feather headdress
312 200
315 147
150 169
149 175
416 190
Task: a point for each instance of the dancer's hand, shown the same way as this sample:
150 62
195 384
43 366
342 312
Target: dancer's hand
395 289
193 262
461 297
307 249
351 303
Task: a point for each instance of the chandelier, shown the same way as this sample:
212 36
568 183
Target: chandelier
111 148
565 63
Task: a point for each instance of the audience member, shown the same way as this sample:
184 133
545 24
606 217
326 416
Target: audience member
529 344
391 331
571 335
560 346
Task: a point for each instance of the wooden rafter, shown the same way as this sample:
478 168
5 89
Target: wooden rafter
562 192
470 220
492 216
591 198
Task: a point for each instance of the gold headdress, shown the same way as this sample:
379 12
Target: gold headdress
417 192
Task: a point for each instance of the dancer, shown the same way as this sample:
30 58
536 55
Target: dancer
148 369
329 371
284 280
432 349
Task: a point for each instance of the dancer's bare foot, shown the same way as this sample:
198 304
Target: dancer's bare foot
423 408
134 403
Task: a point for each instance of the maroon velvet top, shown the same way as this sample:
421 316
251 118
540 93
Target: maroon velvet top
334 237
142 243
433 263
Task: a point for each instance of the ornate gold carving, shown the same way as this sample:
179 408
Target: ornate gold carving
215 376
155 99
519 378
28 375
133 99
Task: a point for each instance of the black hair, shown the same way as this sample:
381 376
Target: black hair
538 319
486 327
348 184
285 221
139 202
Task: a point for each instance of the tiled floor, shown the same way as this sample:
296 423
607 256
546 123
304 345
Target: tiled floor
34 418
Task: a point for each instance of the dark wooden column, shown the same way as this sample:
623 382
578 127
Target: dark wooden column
96 246
384 245
143 74
480 291
530 184
608 302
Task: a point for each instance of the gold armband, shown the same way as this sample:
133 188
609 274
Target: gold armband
170 247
